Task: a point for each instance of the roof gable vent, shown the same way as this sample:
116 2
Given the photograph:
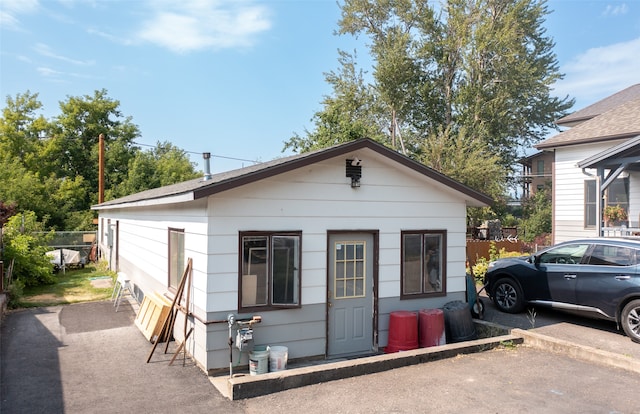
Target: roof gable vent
353 169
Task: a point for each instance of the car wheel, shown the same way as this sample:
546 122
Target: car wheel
631 320
507 296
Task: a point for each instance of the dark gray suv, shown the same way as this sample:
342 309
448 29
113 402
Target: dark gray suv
597 277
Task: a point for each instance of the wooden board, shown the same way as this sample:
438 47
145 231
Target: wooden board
153 311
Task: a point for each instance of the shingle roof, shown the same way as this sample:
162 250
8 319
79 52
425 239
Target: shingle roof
602 106
622 121
199 188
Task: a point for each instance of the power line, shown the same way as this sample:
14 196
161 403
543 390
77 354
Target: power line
200 153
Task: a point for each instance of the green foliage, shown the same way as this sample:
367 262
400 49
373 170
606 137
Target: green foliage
537 215
482 263
463 86
163 165
615 213
50 167
347 115
15 293
27 249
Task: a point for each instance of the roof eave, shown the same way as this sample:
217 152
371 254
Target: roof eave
543 146
170 199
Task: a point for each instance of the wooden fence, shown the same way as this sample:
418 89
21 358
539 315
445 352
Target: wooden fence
480 248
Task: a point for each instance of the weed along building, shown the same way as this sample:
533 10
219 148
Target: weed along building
323 246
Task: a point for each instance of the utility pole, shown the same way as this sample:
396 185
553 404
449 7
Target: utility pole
101 169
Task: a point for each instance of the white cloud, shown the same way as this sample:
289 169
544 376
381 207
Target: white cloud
56 75
204 24
20 6
12 8
48 72
616 10
600 72
45 50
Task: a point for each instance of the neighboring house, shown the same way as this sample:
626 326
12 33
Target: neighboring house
598 158
536 172
322 245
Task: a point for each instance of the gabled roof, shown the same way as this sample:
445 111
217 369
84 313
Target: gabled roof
602 106
200 188
622 121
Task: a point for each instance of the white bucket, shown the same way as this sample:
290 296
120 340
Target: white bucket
259 360
278 358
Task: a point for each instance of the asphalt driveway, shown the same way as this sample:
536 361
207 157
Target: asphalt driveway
87 358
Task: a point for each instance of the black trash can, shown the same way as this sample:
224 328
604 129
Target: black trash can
458 322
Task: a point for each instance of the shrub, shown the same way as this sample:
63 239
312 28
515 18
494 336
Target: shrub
31 265
482 264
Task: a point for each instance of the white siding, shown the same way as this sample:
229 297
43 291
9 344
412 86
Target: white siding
634 199
313 200
568 192
320 199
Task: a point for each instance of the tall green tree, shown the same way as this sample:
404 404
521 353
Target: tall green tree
472 72
21 130
74 142
50 167
347 115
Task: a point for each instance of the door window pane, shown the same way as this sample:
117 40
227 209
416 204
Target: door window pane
349 269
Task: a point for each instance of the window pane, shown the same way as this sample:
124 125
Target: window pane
349 269
590 203
568 254
350 251
254 271
176 257
433 262
285 271
412 263
618 192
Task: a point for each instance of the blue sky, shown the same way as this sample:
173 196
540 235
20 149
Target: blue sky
238 78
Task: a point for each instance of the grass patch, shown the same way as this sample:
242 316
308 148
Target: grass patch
73 286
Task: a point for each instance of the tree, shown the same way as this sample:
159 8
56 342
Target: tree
51 167
74 142
162 165
537 214
348 115
21 129
475 72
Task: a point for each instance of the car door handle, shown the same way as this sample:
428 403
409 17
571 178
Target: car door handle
623 277
570 276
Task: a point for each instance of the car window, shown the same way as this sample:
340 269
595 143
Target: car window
566 254
606 255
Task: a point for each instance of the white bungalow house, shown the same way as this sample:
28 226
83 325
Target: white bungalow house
321 245
596 164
